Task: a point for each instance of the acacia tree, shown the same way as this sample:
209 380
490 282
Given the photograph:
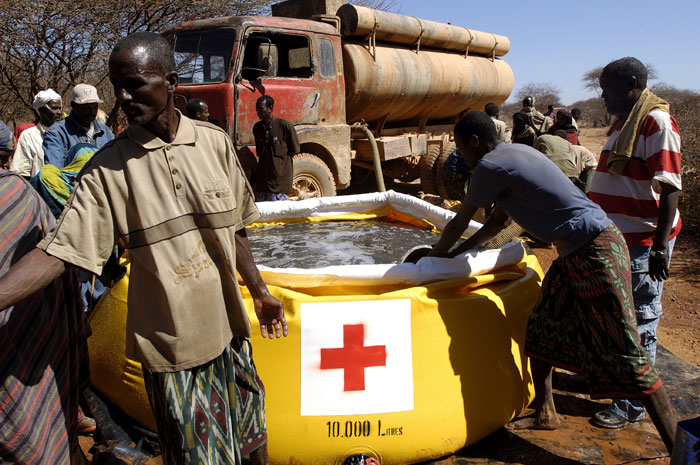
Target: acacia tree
59 43
591 82
591 78
544 93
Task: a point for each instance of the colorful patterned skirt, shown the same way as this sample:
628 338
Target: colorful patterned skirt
43 344
584 320
269 197
212 414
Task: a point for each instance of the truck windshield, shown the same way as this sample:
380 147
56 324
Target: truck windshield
203 56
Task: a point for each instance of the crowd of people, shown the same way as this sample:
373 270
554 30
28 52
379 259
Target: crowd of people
614 223
530 127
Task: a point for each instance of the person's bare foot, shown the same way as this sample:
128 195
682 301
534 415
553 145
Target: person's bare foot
534 422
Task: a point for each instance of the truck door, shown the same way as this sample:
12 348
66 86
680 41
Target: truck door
279 65
202 60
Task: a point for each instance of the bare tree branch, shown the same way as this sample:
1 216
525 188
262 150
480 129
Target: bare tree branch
60 43
545 93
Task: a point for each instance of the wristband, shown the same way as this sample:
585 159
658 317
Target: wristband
658 254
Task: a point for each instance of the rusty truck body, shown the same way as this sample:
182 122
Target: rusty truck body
332 74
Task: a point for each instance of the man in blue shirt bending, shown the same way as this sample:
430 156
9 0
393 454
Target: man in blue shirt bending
584 320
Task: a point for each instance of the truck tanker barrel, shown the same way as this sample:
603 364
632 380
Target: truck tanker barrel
358 21
400 84
397 80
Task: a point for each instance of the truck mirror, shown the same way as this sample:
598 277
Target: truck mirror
267 59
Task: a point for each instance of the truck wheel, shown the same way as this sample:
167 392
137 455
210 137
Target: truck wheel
312 178
450 183
428 170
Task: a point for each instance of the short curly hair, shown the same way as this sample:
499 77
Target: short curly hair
476 123
625 68
492 109
268 101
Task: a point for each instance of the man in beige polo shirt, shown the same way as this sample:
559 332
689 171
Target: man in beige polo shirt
171 191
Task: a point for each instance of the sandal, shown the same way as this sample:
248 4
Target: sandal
86 425
608 419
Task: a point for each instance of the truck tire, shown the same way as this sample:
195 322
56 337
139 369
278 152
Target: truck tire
312 178
450 184
428 170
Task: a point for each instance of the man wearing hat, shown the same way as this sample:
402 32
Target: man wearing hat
29 155
80 126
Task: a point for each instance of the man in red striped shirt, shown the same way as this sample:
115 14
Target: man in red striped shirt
637 183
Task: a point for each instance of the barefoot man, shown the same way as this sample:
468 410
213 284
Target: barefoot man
584 320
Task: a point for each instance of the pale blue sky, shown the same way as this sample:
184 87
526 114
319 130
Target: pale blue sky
560 41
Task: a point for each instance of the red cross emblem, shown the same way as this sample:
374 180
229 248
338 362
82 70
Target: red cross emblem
353 357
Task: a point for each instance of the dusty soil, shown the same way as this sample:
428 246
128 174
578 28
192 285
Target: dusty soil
593 139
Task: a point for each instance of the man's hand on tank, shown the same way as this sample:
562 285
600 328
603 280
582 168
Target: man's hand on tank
270 312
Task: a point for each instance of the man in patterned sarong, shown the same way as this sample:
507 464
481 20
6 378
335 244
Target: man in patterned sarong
584 320
171 191
43 337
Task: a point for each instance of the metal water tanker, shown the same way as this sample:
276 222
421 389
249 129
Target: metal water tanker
409 68
329 65
400 84
359 21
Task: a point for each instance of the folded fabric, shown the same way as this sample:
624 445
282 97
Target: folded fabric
55 185
624 145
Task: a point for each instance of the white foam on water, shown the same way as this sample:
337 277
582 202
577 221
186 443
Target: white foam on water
335 243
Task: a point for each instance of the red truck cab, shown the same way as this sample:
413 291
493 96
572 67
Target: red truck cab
230 62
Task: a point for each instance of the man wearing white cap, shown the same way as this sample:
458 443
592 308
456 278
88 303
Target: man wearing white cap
80 126
29 155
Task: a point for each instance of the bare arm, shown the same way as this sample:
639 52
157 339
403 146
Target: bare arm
493 225
30 274
269 310
453 230
668 204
